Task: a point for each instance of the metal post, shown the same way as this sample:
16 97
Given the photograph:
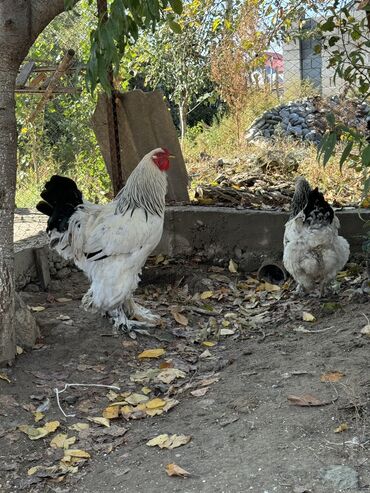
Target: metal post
112 119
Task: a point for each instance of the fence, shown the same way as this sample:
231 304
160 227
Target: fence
55 135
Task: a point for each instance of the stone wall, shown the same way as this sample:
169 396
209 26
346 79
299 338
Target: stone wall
306 119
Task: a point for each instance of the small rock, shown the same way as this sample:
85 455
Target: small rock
340 477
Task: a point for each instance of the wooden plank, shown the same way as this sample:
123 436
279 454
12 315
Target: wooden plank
53 83
144 123
60 90
42 266
24 73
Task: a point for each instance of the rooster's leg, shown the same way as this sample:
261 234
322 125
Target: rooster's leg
140 313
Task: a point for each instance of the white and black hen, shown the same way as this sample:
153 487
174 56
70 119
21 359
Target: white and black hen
313 250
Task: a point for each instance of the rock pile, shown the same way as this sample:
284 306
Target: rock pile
306 119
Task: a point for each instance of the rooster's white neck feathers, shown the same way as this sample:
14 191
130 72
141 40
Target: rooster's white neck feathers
145 189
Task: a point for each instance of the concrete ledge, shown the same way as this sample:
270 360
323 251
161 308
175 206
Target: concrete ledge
216 234
248 236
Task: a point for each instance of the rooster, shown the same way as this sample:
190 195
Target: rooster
110 243
313 250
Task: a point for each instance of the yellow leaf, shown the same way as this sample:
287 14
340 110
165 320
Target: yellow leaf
81 454
19 350
209 343
4 377
79 426
270 288
233 267
169 442
38 416
100 421
63 300
62 441
136 399
33 470
37 433
153 412
342 427
206 294
158 440
175 470
152 353
180 318
332 376
111 412
308 317
126 410
146 390
51 426
155 403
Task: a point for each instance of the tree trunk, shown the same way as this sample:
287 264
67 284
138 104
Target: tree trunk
21 21
8 157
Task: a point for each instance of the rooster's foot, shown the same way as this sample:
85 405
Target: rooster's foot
130 327
141 314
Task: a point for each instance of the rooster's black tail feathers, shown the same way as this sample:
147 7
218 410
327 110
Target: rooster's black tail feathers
317 211
60 199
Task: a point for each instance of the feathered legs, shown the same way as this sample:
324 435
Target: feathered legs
140 313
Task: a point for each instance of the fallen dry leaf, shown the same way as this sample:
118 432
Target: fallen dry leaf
100 421
170 374
199 392
342 427
332 376
4 377
308 317
146 390
209 343
366 330
180 318
136 399
37 433
63 300
175 470
37 308
111 412
152 353
169 442
81 454
19 350
306 400
206 294
79 426
155 403
227 332
233 266
38 416
62 441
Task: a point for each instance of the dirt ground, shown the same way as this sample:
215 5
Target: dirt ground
247 363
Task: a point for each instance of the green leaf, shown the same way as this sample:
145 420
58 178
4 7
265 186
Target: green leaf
365 156
176 6
346 152
327 147
174 26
